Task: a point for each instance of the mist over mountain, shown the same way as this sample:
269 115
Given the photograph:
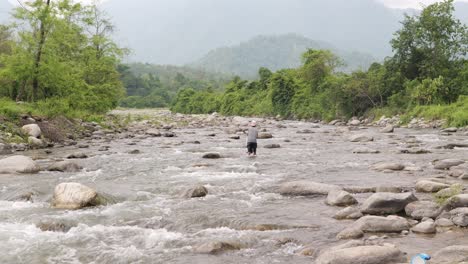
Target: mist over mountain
274 52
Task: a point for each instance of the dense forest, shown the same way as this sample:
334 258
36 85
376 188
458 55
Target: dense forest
275 53
58 55
427 74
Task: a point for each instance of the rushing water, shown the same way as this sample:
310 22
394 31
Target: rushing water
152 223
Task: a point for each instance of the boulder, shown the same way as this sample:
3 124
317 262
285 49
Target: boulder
168 134
362 254
450 130
134 152
264 136
426 227
354 122
361 138
350 233
195 192
387 129
387 203
153 132
426 186
340 198
447 163
272 146
350 212
380 224
65 166
451 254
388 166
365 150
303 188
78 155
422 209
212 155
74 196
216 247
459 216
444 222
18 164
35 143
32 130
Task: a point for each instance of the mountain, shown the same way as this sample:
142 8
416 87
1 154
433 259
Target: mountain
274 52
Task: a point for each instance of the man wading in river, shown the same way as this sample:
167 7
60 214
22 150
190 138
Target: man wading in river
252 139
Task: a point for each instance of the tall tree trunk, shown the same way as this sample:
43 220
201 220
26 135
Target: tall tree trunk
37 61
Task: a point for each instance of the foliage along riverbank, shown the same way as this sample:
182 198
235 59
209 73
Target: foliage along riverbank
427 76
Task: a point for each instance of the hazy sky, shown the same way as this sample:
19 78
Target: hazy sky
389 3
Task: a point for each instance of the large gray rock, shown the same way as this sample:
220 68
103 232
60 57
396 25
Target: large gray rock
387 129
447 163
460 200
195 192
361 138
340 198
421 209
153 132
74 196
35 143
362 254
380 224
388 166
426 186
426 227
387 203
18 164
451 255
65 166
350 212
459 216
306 188
32 130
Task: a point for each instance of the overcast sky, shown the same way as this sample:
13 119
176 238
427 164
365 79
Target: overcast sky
389 3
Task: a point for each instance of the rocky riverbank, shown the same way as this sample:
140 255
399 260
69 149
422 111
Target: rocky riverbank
342 192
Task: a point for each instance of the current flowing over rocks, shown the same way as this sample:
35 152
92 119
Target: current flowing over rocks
166 203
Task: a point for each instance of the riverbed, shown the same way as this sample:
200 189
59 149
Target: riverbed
152 223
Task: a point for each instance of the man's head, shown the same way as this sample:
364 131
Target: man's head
253 123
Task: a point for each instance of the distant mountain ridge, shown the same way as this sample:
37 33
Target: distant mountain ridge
274 52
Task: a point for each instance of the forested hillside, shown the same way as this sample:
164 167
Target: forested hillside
274 53
427 75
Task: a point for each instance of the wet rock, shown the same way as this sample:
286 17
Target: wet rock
421 209
54 226
452 254
453 146
65 166
212 156
447 164
426 227
5 149
392 166
387 203
234 137
134 152
365 150
104 148
153 133
414 151
272 146
354 122
450 130
307 251
74 196
444 222
350 233
340 198
350 212
305 131
456 201
82 146
265 136
459 216
35 143
32 130
388 129
334 122
362 254
361 138
168 134
195 192
359 189
216 247
380 224
304 188
18 164
426 186
78 155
